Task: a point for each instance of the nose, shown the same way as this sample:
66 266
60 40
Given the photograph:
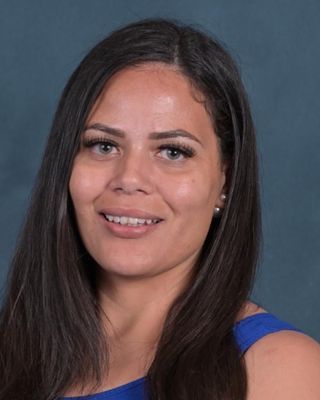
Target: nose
132 174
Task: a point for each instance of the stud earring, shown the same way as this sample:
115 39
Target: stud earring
217 211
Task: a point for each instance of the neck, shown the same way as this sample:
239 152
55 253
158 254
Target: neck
135 308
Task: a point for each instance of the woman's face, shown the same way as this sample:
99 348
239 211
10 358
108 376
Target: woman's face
148 174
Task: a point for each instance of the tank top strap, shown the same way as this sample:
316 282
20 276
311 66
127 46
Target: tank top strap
250 329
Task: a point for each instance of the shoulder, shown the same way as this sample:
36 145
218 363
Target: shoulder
284 365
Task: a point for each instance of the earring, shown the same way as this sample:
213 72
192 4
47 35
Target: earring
217 211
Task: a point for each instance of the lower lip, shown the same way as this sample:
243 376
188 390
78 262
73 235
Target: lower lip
129 232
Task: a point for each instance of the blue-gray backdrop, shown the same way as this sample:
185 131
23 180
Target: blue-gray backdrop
277 45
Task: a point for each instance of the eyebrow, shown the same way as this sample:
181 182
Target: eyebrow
153 135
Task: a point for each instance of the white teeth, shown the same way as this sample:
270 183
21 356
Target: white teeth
124 220
133 221
130 221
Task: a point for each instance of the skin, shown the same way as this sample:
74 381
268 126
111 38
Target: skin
140 277
284 366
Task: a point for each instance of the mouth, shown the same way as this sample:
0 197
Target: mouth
130 220
128 223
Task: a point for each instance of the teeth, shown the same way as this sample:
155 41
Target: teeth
133 221
130 221
124 220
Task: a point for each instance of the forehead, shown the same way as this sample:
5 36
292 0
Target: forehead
150 76
152 93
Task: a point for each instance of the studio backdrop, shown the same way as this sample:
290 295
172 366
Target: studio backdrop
277 46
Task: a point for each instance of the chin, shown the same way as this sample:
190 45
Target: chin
129 269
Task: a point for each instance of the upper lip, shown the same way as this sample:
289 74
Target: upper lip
129 212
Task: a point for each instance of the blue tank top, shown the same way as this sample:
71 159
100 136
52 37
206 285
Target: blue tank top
246 332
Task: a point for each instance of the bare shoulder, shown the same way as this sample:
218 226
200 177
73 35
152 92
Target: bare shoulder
284 365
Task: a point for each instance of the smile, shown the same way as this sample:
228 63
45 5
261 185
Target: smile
130 221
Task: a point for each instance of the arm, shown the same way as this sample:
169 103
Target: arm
284 366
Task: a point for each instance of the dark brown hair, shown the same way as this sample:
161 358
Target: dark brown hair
50 332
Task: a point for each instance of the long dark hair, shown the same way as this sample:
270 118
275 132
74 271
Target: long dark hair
51 335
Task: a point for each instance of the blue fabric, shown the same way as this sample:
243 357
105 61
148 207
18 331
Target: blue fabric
134 390
247 331
250 329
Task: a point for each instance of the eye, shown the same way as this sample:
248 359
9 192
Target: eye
100 146
176 152
104 147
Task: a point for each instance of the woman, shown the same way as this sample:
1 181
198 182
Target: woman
133 272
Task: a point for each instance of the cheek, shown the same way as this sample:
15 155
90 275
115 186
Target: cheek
84 185
192 194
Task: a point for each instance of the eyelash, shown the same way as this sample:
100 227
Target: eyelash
184 149
93 142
